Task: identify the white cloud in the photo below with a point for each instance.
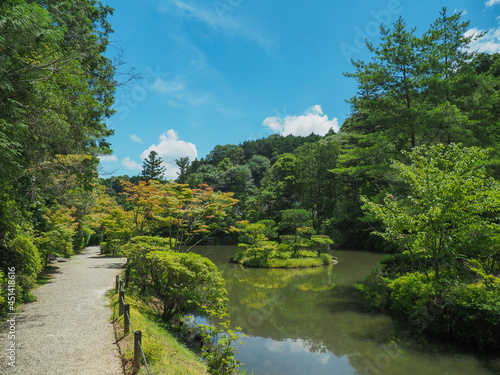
(189, 99)
(130, 164)
(312, 121)
(489, 43)
(199, 12)
(490, 3)
(108, 158)
(135, 138)
(179, 96)
(169, 149)
(217, 15)
(168, 86)
(297, 347)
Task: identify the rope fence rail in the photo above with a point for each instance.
(124, 309)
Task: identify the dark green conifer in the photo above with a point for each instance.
(153, 168)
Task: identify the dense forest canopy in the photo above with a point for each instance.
(56, 90)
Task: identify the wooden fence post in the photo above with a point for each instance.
(127, 275)
(137, 349)
(121, 300)
(126, 320)
(117, 283)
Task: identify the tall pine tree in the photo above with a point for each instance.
(183, 164)
(152, 168)
(411, 92)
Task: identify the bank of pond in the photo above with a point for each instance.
(306, 321)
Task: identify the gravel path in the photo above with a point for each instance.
(67, 330)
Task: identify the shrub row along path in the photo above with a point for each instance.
(67, 330)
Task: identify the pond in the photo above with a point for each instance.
(305, 321)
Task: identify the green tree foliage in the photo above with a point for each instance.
(317, 188)
(218, 350)
(275, 145)
(254, 244)
(293, 219)
(136, 251)
(153, 168)
(410, 93)
(183, 164)
(188, 215)
(186, 283)
(450, 201)
(109, 222)
(60, 229)
(56, 85)
(482, 103)
(3, 286)
(27, 259)
(271, 231)
(256, 250)
(266, 150)
(232, 153)
(278, 190)
(299, 241)
(259, 165)
(144, 200)
(446, 228)
(320, 243)
(56, 91)
(418, 88)
(252, 233)
(201, 173)
(238, 179)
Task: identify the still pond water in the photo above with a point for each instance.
(304, 322)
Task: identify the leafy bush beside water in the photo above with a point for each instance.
(447, 278)
(175, 284)
(467, 312)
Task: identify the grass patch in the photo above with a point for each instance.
(164, 353)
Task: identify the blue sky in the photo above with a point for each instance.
(226, 71)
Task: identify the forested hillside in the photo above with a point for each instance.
(417, 90)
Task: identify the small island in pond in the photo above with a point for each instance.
(296, 247)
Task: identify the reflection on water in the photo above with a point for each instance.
(290, 357)
(305, 322)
